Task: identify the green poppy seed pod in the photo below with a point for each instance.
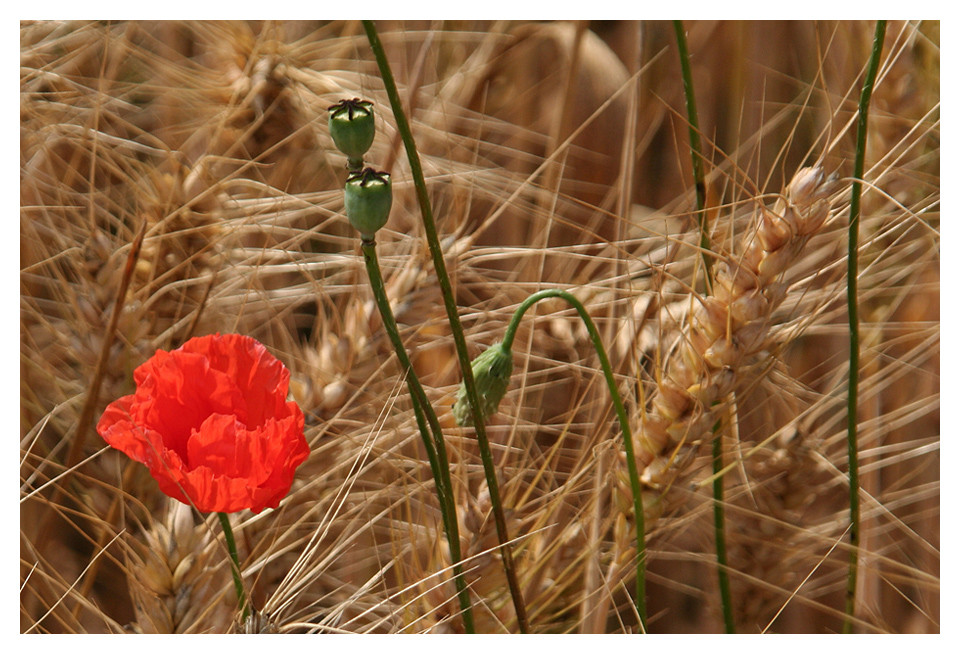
(491, 375)
(352, 128)
(367, 199)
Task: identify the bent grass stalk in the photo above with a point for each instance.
(719, 519)
(453, 317)
(853, 245)
(640, 589)
(436, 450)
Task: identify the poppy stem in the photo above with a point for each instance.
(437, 449)
(719, 517)
(453, 317)
(234, 565)
(641, 558)
(695, 149)
(853, 319)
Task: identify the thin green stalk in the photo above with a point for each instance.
(234, 565)
(853, 381)
(695, 146)
(453, 317)
(436, 450)
(641, 575)
(719, 519)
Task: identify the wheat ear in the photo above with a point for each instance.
(177, 586)
(729, 326)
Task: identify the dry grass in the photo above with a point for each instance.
(556, 156)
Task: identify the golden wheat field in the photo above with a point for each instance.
(178, 179)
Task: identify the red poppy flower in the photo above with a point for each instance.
(211, 422)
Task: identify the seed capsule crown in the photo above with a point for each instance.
(352, 127)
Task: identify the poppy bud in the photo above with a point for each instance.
(352, 129)
(491, 374)
(367, 199)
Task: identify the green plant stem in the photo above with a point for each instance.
(640, 600)
(853, 381)
(234, 565)
(695, 147)
(436, 449)
(453, 317)
(719, 518)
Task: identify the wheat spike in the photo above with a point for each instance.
(177, 580)
(729, 326)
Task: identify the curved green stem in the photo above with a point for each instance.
(234, 565)
(453, 317)
(436, 449)
(640, 600)
(853, 245)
